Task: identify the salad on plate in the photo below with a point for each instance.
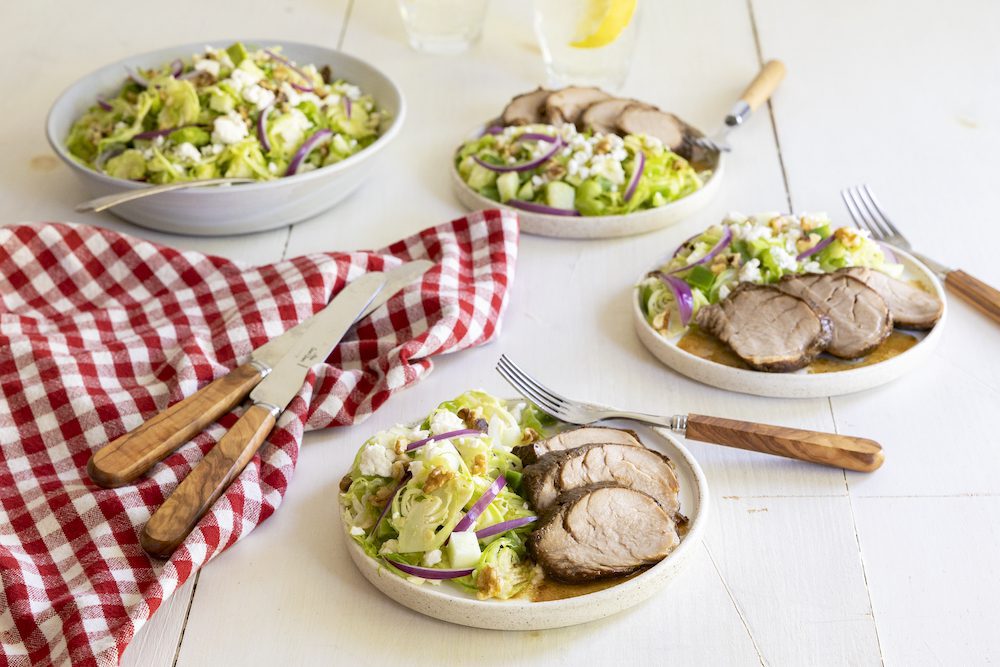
(234, 112)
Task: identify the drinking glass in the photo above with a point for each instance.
(443, 26)
(560, 23)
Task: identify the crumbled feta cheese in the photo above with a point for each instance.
(444, 421)
(783, 259)
(376, 460)
(188, 153)
(724, 292)
(229, 129)
(432, 557)
(609, 169)
(352, 92)
(293, 129)
(272, 167)
(442, 453)
(258, 96)
(517, 410)
(812, 267)
(355, 530)
(158, 141)
(242, 78)
(206, 65)
(750, 272)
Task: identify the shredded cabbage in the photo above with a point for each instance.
(213, 108)
(447, 478)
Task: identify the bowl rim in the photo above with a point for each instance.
(692, 540)
(383, 139)
(928, 340)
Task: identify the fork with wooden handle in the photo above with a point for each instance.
(830, 449)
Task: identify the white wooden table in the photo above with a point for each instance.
(802, 565)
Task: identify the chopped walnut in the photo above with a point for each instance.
(438, 478)
(488, 583)
(530, 435)
(554, 171)
(849, 237)
(398, 469)
(478, 464)
(471, 417)
(804, 244)
(777, 224)
(326, 73)
(603, 146)
(345, 483)
(400, 446)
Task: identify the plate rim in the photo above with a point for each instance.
(602, 600)
(794, 385)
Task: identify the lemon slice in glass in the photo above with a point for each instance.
(603, 22)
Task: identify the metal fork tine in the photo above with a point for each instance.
(869, 220)
(852, 210)
(880, 211)
(530, 381)
(528, 392)
(883, 230)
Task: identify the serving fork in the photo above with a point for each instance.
(831, 449)
(868, 214)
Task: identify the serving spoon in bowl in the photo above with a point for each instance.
(103, 203)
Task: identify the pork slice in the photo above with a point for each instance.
(859, 316)
(602, 531)
(568, 104)
(641, 119)
(576, 437)
(603, 116)
(769, 329)
(526, 109)
(626, 465)
(911, 307)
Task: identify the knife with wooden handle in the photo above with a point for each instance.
(182, 510)
(127, 458)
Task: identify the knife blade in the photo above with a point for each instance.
(181, 511)
(130, 456)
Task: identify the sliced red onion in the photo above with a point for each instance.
(103, 103)
(443, 436)
(682, 295)
(682, 246)
(492, 129)
(176, 68)
(636, 175)
(815, 249)
(887, 252)
(540, 208)
(288, 63)
(107, 155)
(262, 127)
(429, 572)
(388, 504)
(523, 166)
(503, 527)
(152, 134)
(138, 78)
(484, 501)
(537, 136)
(347, 105)
(307, 147)
(727, 237)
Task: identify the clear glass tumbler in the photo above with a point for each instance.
(587, 42)
(443, 26)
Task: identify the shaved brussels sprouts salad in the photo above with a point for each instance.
(758, 249)
(234, 112)
(561, 171)
(440, 501)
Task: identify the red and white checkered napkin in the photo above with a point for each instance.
(99, 331)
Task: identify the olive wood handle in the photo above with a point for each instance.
(124, 460)
(182, 510)
(975, 292)
(764, 84)
(840, 451)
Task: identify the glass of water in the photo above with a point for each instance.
(587, 42)
(443, 26)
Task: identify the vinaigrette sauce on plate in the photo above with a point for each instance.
(711, 348)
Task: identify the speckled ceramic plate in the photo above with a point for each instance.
(598, 226)
(450, 603)
(802, 383)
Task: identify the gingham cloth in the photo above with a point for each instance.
(99, 331)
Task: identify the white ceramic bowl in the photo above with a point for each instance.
(449, 603)
(237, 209)
(598, 226)
(800, 384)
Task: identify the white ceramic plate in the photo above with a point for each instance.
(800, 384)
(449, 603)
(238, 209)
(598, 226)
